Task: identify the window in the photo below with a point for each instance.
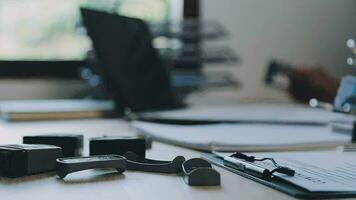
(51, 29)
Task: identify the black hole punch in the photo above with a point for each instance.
(17, 160)
(71, 144)
(117, 145)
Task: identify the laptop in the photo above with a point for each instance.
(131, 68)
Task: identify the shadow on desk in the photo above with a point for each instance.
(26, 179)
(89, 176)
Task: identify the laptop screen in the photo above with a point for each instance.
(129, 65)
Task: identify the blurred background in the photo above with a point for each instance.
(44, 47)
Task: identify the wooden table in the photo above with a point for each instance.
(98, 185)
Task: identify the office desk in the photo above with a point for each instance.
(98, 185)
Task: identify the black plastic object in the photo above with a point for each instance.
(130, 67)
(72, 145)
(66, 166)
(198, 172)
(274, 68)
(21, 160)
(353, 139)
(118, 145)
(148, 141)
(137, 163)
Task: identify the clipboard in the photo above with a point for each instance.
(280, 184)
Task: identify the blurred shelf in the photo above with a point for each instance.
(204, 81)
(186, 57)
(189, 30)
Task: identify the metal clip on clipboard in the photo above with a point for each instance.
(246, 164)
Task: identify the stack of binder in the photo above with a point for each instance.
(183, 45)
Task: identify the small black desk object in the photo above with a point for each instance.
(354, 133)
(280, 184)
(71, 144)
(118, 145)
(198, 172)
(66, 166)
(21, 160)
(275, 68)
(135, 162)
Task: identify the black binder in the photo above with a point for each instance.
(279, 184)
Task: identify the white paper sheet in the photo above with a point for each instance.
(239, 136)
(254, 112)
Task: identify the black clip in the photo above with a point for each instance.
(75, 164)
(135, 162)
(198, 172)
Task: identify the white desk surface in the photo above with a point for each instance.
(98, 185)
